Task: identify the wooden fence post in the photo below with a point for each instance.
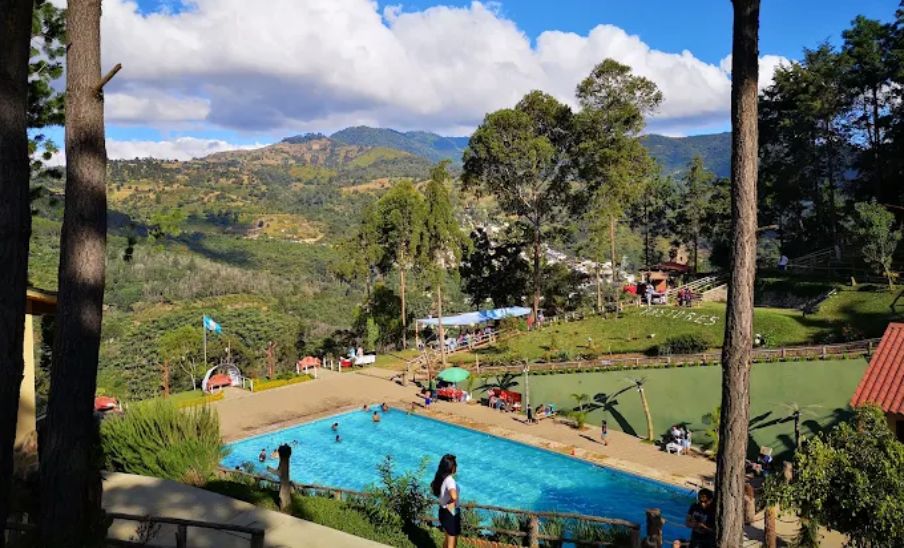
(783, 352)
(635, 537)
(654, 528)
(533, 532)
(181, 536)
(823, 351)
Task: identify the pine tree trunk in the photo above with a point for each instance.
(70, 479)
(404, 313)
(599, 290)
(739, 313)
(696, 250)
(536, 306)
(612, 245)
(439, 316)
(15, 225)
(646, 413)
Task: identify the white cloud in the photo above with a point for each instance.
(286, 65)
(768, 65)
(180, 148)
(155, 106)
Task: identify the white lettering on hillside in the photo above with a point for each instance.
(679, 314)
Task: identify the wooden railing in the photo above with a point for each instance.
(255, 534)
(857, 348)
(532, 532)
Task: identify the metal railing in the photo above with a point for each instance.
(255, 535)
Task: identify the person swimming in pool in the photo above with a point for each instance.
(338, 438)
(263, 455)
(335, 427)
(364, 408)
(384, 407)
(375, 417)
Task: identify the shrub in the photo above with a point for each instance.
(588, 534)
(154, 438)
(553, 527)
(506, 522)
(681, 344)
(399, 500)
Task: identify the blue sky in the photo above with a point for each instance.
(211, 74)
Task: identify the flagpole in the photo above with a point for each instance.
(204, 330)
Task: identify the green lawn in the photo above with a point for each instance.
(686, 394)
(849, 315)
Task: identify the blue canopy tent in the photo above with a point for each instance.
(478, 317)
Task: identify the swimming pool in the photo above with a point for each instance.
(491, 470)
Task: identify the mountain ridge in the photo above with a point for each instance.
(672, 153)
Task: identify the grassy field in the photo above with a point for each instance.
(685, 394)
(849, 315)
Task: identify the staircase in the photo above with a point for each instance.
(818, 258)
(700, 286)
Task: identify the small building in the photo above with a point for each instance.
(883, 382)
(37, 303)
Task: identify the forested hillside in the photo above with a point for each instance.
(674, 153)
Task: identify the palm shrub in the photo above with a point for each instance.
(399, 500)
(155, 438)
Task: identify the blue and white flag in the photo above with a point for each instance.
(211, 325)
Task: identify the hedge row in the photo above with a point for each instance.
(261, 385)
(201, 400)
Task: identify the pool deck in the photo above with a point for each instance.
(333, 393)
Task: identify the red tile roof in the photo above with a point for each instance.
(883, 382)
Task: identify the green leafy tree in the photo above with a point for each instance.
(805, 126)
(441, 245)
(653, 215)
(521, 156)
(494, 270)
(850, 479)
(608, 154)
(399, 227)
(359, 255)
(45, 102)
(693, 205)
(868, 53)
(182, 346)
(876, 229)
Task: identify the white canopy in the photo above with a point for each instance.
(479, 316)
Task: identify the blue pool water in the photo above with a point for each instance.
(491, 470)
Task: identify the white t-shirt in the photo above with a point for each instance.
(448, 485)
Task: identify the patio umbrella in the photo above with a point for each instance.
(454, 374)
